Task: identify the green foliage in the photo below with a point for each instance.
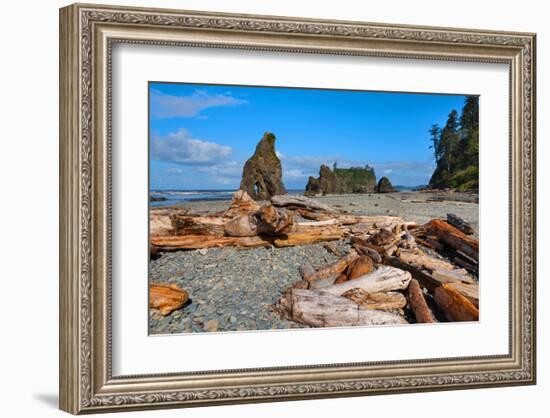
(465, 179)
(456, 148)
(356, 175)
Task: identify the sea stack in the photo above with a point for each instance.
(341, 181)
(262, 173)
(384, 186)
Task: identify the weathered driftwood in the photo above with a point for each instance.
(241, 204)
(266, 220)
(456, 306)
(425, 279)
(383, 238)
(421, 310)
(197, 225)
(382, 301)
(454, 238)
(359, 267)
(316, 224)
(333, 269)
(321, 309)
(193, 242)
(361, 249)
(383, 279)
(166, 297)
(292, 239)
(457, 275)
(379, 222)
(160, 223)
(296, 201)
(469, 291)
(332, 248)
(460, 223)
(421, 259)
(365, 243)
(314, 216)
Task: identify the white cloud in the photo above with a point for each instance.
(181, 148)
(167, 106)
(174, 170)
(388, 171)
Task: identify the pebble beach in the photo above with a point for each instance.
(234, 289)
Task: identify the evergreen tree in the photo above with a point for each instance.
(435, 136)
(456, 148)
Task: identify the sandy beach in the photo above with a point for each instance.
(234, 289)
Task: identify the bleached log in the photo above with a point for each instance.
(456, 306)
(291, 239)
(321, 283)
(241, 204)
(315, 216)
(160, 224)
(166, 297)
(382, 301)
(421, 259)
(383, 279)
(426, 279)
(418, 303)
(266, 220)
(450, 276)
(193, 242)
(315, 224)
(320, 309)
(297, 201)
(333, 269)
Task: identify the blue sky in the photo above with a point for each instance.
(201, 135)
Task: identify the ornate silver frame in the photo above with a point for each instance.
(87, 33)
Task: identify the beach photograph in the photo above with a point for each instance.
(276, 208)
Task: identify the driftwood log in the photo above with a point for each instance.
(194, 242)
(197, 225)
(333, 269)
(418, 303)
(292, 239)
(166, 297)
(460, 223)
(381, 300)
(421, 259)
(266, 220)
(296, 201)
(456, 306)
(320, 309)
(454, 238)
(383, 279)
(241, 204)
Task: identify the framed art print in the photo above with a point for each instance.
(260, 208)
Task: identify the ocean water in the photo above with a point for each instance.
(179, 196)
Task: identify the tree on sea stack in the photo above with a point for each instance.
(262, 173)
(384, 186)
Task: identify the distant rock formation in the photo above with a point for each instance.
(384, 186)
(262, 173)
(342, 180)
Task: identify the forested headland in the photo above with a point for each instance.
(456, 149)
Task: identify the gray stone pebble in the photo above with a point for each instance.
(232, 289)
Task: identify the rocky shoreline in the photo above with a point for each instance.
(235, 289)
